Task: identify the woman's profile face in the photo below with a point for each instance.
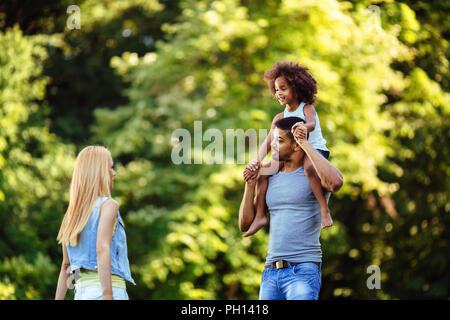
(112, 173)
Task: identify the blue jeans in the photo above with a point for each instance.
(299, 282)
(95, 293)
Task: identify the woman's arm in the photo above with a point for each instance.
(61, 288)
(108, 215)
(310, 114)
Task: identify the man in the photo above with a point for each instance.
(293, 264)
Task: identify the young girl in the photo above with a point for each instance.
(294, 87)
(92, 232)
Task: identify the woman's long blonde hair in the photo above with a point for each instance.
(90, 180)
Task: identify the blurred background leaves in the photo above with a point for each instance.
(138, 70)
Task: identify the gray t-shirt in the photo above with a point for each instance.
(295, 220)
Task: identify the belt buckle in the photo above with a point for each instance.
(279, 264)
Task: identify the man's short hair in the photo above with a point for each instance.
(287, 124)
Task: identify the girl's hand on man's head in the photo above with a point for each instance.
(300, 132)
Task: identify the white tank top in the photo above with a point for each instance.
(315, 136)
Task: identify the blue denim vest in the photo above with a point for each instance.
(84, 255)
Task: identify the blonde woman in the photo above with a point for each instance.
(92, 232)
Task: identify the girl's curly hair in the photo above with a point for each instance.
(298, 77)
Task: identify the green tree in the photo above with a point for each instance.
(148, 68)
(81, 78)
(34, 168)
(410, 225)
(210, 69)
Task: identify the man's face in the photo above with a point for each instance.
(282, 145)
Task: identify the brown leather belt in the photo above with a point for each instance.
(280, 264)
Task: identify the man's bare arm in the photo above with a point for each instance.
(247, 208)
(330, 177)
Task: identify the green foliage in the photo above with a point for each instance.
(79, 63)
(383, 105)
(223, 87)
(34, 168)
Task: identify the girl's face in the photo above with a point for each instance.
(284, 93)
(112, 173)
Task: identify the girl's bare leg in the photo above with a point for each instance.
(319, 193)
(261, 219)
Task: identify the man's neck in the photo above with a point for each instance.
(296, 161)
